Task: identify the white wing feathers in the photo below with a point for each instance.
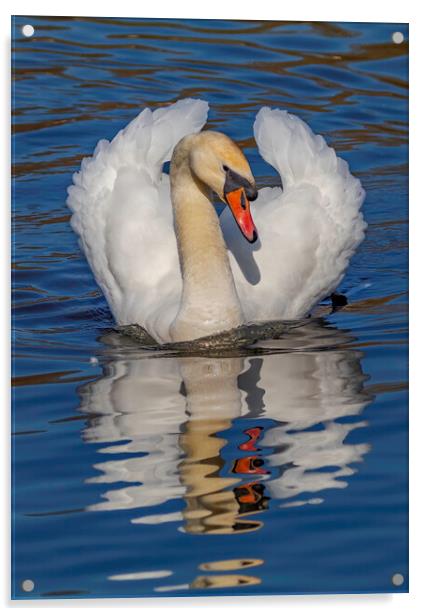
(121, 201)
(303, 158)
(307, 232)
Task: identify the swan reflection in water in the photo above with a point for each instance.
(173, 415)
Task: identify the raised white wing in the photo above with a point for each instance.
(307, 232)
(122, 213)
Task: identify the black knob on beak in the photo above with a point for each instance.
(251, 192)
(235, 180)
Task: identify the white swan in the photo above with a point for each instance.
(161, 256)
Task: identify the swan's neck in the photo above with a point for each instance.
(209, 302)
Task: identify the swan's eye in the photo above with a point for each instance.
(225, 168)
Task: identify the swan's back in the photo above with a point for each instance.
(307, 231)
(122, 213)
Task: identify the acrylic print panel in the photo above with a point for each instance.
(271, 458)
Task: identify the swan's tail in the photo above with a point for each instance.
(303, 158)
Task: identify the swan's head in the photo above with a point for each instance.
(220, 164)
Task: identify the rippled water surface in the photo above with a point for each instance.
(280, 467)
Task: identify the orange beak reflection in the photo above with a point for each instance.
(239, 204)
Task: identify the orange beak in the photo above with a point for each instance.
(239, 204)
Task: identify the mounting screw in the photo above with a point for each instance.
(27, 585)
(27, 30)
(397, 579)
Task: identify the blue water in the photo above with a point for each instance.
(278, 469)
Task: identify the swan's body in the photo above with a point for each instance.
(161, 257)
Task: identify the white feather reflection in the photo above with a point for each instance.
(164, 422)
